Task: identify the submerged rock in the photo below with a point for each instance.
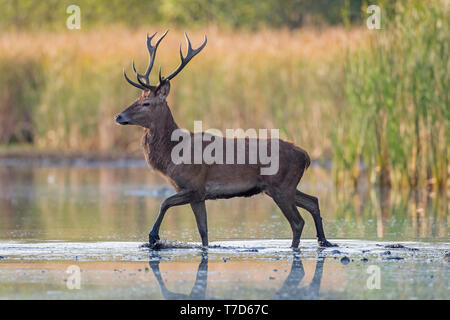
(395, 246)
(394, 258)
(345, 260)
(447, 257)
(399, 246)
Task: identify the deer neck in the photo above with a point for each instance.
(157, 143)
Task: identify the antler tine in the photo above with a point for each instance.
(159, 75)
(138, 75)
(185, 60)
(133, 83)
(144, 79)
(152, 55)
(188, 41)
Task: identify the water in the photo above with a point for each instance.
(96, 218)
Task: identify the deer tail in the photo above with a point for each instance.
(307, 160)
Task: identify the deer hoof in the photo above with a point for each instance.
(152, 239)
(155, 246)
(326, 244)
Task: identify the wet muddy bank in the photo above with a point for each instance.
(347, 251)
(256, 269)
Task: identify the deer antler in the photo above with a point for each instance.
(143, 79)
(184, 60)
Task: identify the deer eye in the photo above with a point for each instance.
(146, 104)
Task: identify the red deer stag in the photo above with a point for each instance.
(195, 183)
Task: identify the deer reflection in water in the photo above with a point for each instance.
(289, 290)
(198, 291)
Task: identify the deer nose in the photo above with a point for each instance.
(122, 119)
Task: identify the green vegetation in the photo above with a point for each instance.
(50, 14)
(366, 99)
(396, 119)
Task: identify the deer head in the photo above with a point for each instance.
(151, 106)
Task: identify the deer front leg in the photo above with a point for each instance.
(182, 197)
(200, 217)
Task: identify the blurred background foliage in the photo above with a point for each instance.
(374, 103)
(252, 14)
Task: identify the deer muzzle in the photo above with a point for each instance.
(122, 119)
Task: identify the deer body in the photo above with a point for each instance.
(220, 181)
(197, 182)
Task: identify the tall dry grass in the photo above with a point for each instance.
(274, 79)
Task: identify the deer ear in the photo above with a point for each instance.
(163, 89)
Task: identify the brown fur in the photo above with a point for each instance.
(196, 183)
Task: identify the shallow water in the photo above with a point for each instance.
(96, 218)
(258, 269)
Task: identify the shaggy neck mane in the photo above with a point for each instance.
(157, 143)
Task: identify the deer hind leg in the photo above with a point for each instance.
(180, 198)
(199, 209)
(311, 204)
(292, 215)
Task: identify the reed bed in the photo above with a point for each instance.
(396, 120)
